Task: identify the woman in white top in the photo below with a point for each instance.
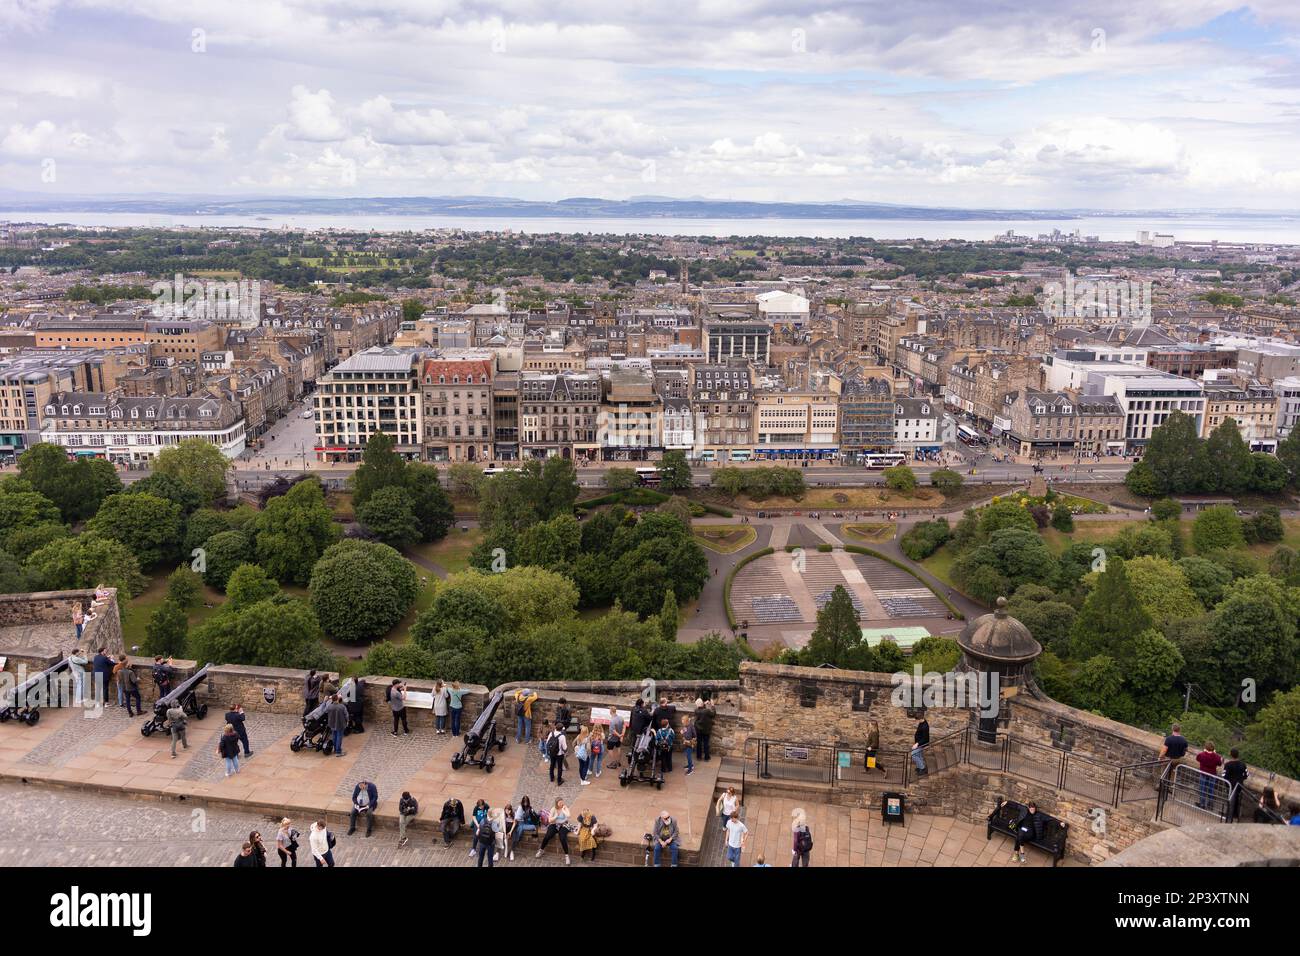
(319, 841)
(440, 698)
(559, 826)
(727, 804)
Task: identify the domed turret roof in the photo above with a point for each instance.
(999, 637)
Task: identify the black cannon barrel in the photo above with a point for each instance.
(26, 686)
(184, 687)
(484, 722)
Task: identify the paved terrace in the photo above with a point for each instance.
(69, 770)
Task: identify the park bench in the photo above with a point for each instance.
(1007, 812)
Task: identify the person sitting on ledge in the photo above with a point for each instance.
(102, 594)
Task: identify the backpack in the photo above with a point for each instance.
(160, 674)
(803, 840)
(553, 745)
(329, 839)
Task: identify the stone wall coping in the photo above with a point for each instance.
(48, 595)
(270, 673)
(1215, 844)
(37, 653)
(419, 684)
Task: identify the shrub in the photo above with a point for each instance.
(925, 538)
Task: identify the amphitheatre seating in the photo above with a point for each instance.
(775, 609)
(824, 598)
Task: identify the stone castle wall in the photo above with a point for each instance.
(41, 621)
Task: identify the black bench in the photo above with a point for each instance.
(1007, 812)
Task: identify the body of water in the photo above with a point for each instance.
(1250, 229)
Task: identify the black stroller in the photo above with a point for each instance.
(315, 732)
(643, 762)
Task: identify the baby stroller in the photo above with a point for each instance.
(315, 732)
(643, 762)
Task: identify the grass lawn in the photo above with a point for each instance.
(725, 538)
(135, 615)
(452, 552)
(940, 564)
(850, 499)
(874, 532)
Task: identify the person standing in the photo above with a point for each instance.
(689, 738)
(163, 675)
(524, 700)
(737, 833)
(665, 738)
(118, 667)
(582, 750)
(728, 803)
(1209, 761)
(1172, 751)
(597, 749)
(235, 718)
(920, 740)
(397, 702)
(616, 727)
(128, 687)
(563, 715)
(704, 715)
(228, 749)
(365, 797)
(1235, 772)
(259, 848)
(407, 808)
(102, 666)
(336, 718)
(286, 844)
(801, 842)
(245, 858)
(76, 665)
(311, 692)
(558, 826)
(321, 843)
(665, 836)
(456, 704)
(490, 835)
(557, 745)
(440, 696)
(177, 722)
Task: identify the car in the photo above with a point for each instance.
(307, 413)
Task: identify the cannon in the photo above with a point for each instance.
(185, 694)
(643, 762)
(315, 732)
(482, 737)
(30, 710)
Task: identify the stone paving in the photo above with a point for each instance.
(387, 761)
(264, 730)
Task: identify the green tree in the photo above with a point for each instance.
(1062, 518)
(30, 538)
(280, 632)
(1166, 509)
(151, 527)
(187, 497)
(388, 515)
(77, 488)
(1217, 528)
(668, 616)
(1098, 683)
(429, 503)
(1161, 589)
(1207, 579)
(947, 481)
(1141, 480)
(456, 607)
(837, 631)
(1288, 453)
(1176, 456)
(1231, 468)
(23, 509)
(729, 481)
(1268, 474)
(197, 463)
(184, 587)
(465, 478)
(293, 531)
(14, 579)
(1156, 664)
(221, 554)
(166, 631)
(1264, 527)
(360, 590)
(86, 561)
(621, 479)
(202, 525)
(1109, 617)
(247, 585)
(901, 479)
(675, 472)
(1279, 731)
(380, 467)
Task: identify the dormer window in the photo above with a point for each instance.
(135, 413)
(117, 413)
(65, 409)
(76, 409)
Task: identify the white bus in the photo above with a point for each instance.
(969, 435)
(886, 460)
(648, 476)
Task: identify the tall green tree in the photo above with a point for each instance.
(432, 507)
(77, 488)
(151, 527)
(1230, 469)
(674, 472)
(1109, 618)
(837, 632)
(1288, 453)
(166, 631)
(388, 515)
(1176, 457)
(380, 467)
(293, 531)
(668, 616)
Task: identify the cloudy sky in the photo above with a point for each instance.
(1104, 103)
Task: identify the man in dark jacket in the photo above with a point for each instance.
(1028, 828)
(704, 715)
(365, 796)
(235, 718)
(336, 715)
(452, 819)
(664, 711)
(1234, 771)
(311, 692)
(639, 719)
(102, 667)
(920, 740)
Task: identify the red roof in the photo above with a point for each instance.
(468, 370)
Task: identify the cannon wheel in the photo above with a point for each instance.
(31, 717)
(501, 744)
(147, 729)
(622, 780)
(4, 715)
(456, 761)
(296, 744)
(203, 711)
(328, 748)
(488, 763)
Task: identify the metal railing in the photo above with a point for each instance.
(1190, 795)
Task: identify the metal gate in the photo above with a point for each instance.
(1192, 796)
